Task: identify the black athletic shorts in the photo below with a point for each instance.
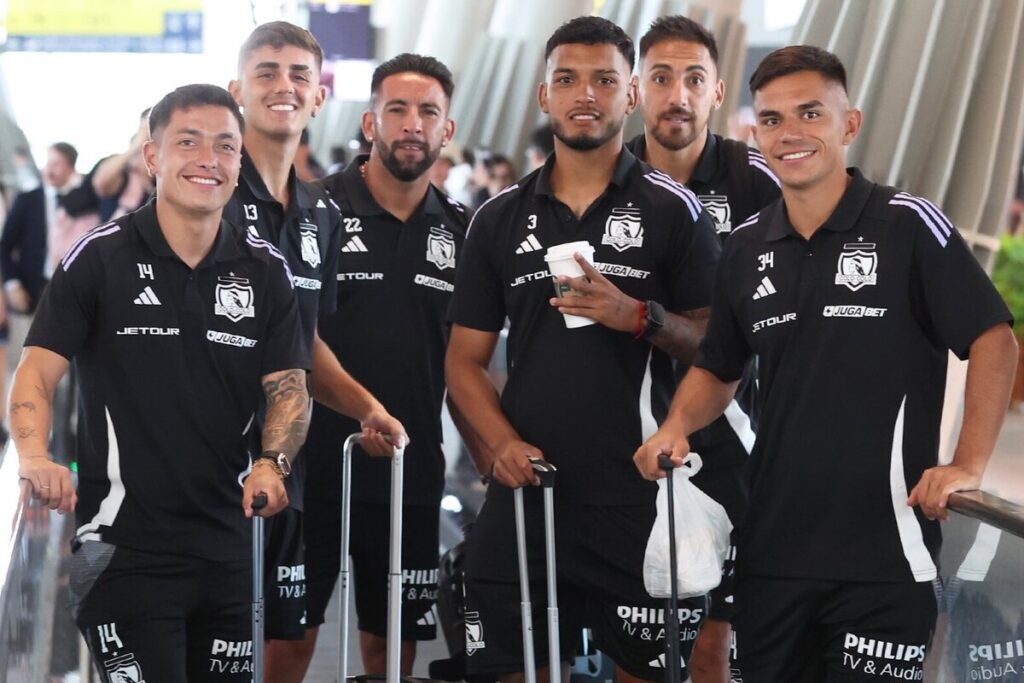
(163, 618)
(369, 552)
(811, 631)
(729, 488)
(284, 577)
(599, 564)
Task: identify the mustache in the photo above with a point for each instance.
(677, 111)
(417, 143)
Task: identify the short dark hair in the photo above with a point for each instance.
(678, 27)
(277, 34)
(590, 30)
(66, 150)
(188, 96)
(408, 62)
(794, 58)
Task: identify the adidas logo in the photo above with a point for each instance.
(764, 289)
(659, 662)
(531, 243)
(147, 298)
(320, 204)
(427, 619)
(355, 245)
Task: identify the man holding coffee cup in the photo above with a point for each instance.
(632, 251)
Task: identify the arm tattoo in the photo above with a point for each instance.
(682, 333)
(27, 405)
(26, 432)
(287, 412)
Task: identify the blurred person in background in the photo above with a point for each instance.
(440, 170)
(542, 144)
(41, 224)
(307, 168)
(121, 181)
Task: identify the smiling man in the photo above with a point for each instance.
(582, 398)
(278, 88)
(175, 319)
(851, 294)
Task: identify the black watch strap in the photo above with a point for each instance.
(655, 319)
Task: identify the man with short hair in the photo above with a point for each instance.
(278, 88)
(679, 90)
(175, 320)
(396, 268)
(852, 295)
(581, 398)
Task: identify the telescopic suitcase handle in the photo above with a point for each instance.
(259, 501)
(672, 657)
(546, 473)
(394, 636)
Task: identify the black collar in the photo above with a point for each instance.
(225, 248)
(296, 191)
(623, 166)
(362, 201)
(843, 218)
(707, 165)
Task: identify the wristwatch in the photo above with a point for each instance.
(655, 319)
(279, 460)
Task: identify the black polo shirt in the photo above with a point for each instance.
(852, 329)
(733, 182)
(587, 397)
(307, 232)
(395, 281)
(170, 360)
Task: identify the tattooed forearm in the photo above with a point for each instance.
(682, 333)
(26, 432)
(287, 417)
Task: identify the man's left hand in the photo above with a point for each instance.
(595, 297)
(932, 492)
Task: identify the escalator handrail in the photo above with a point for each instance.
(15, 496)
(990, 509)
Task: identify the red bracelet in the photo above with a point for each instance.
(641, 321)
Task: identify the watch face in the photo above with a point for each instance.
(282, 462)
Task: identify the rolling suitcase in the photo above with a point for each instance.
(546, 473)
(259, 502)
(394, 637)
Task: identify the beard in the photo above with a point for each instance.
(406, 171)
(584, 142)
(680, 139)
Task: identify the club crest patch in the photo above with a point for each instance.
(441, 248)
(234, 298)
(623, 229)
(310, 247)
(124, 670)
(857, 266)
(474, 633)
(718, 207)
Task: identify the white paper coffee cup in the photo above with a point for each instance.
(561, 262)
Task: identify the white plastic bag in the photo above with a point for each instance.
(702, 537)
